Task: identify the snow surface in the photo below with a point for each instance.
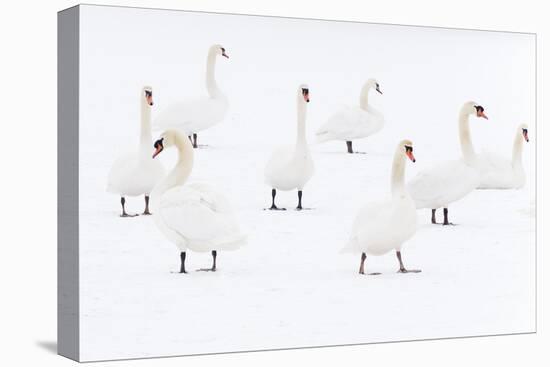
(291, 286)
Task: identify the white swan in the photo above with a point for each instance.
(136, 173)
(500, 173)
(194, 217)
(355, 122)
(197, 114)
(450, 181)
(291, 167)
(385, 225)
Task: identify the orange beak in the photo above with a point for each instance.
(526, 136)
(482, 114)
(306, 97)
(150, 100)
(411, 156)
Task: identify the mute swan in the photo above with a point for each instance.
(194, 217)
(136, 173)
(452, 180)
(197, 114)
(291, 167)
(351, 123)
(385, 225)
(500, 173)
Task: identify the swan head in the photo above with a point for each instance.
(373, 83)
(523, 129)
(471, 108)
(218, 50)
(147, 95)
(166, 139)
(303, 92)
(406, 146)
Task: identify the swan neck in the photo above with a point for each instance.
(211, 85)
(301, 125)
(517, 149)
(398, 174)
(465, 137)
(364, 97)
(146, 136)
(181, 171)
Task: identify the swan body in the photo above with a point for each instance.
(353, 122)
(197, 114)
(384, 225)
(449, 181)
(498, 172)
(291, 167)
(136, 173)
(196, 216)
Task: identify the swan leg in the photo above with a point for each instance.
(124, 214)
(273, 206)
(433, 216)
(146, 211)
(214, 255)
(299, 207)
(362, 266)
(182, 268)
(350, 148)
(446, 217)
(195, 140)
(402, 267)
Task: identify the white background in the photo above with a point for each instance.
(28, 261)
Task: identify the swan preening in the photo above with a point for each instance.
(385, 225)
(353, 122)
(196, 114)
(194, 217)
(450, 181)
(136, 173)
(501, 173)
(291, 167)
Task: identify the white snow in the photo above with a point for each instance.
(291, 286)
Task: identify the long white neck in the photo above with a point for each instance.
(211, 85)
(517, 149)
(364, 97)
(398, 173)
(301, 118)
(181, 171)
(146, 139)
(464, 135)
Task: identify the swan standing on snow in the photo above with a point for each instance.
(500, 173)
(291, 167)
(385, 225)
(351, 123)
(194, 217)
(194, 115)
(136, 173)
(450, 181)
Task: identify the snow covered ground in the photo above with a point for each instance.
(290, 287)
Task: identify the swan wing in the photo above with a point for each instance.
(202, 216)
(443, 184)
(350, 123)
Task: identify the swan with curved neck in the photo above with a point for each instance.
(356, 122)
(501, 173)
(450, 181)
(385, 225)
(291, 167)
(136, 173)
(192, 216)
(197, 114)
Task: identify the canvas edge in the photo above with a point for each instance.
(68, 326)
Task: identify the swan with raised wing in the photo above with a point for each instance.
(197, 114)
(383, 226)
(353, 122)
(193, 216)
(500, 173)
(450, 181)
(135, 174)
(291, 167)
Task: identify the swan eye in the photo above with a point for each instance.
(305, 90)
(479, 108)
(408, 148)
(148, 93)
(524, 131)
(223, 49)
(158, 143)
